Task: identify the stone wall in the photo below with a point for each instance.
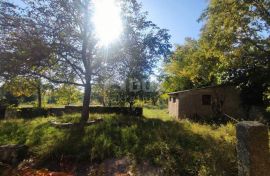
(29, 113)
(252, 149)
(39, 112)
(100, 109)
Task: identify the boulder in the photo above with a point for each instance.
(13, 154)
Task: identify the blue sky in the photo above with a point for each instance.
(179, 16)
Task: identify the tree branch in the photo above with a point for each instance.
(55, 80)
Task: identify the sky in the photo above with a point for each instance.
(178, 16)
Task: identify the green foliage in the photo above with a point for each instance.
(31, 35)
(267, 95)
(233, 49)
(183, 148)
(108, 94)
(37, 134)
(139, 103)
(67, 94)
(237, 32)
(13, 132)
(190, 67)
(21, 86)
(26, 90)
(8, 100)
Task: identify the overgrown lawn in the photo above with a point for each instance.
(178, 148)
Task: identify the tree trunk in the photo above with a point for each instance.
(131, 102)
(103, 102)
(86, 103)
(87, 66)
(103, 99)
(39, 95)
(69, 96)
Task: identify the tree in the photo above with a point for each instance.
(233, 49)
(67, 94)
(142, 45)
(21, 86)
(153, 94)
(239, 32)
(190, 67)
(7, 99)
(68, 51)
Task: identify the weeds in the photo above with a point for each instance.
(178, 148)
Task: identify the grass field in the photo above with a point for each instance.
(157, 114)
(177, 148)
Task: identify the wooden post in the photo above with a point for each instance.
(252, 149)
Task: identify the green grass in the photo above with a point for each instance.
(178, 148)
(162, 114)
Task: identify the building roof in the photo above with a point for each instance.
(189, 90)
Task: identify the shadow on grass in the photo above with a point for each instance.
(169, 145)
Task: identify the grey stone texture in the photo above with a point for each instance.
(252, 149)
(13, 154)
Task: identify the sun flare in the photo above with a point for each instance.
(107, 20)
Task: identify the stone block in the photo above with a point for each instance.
(13, 154)
(252, 149)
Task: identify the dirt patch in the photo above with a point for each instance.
(125, 167)
(67, 167)
(113, 167)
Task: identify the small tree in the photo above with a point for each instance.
(67, 94)
(20, 86)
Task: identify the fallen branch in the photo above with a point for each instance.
(69, 124)
(233, 119)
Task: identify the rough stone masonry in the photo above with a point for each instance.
(252, 149)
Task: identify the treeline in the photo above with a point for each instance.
(233, 48)
(37, 93)
(16, 92)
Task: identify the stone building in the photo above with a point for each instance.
(206, 102)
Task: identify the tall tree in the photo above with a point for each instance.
(190, 67)
(56, 40)
(233, 48)
(144, 45)
(239, 32)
